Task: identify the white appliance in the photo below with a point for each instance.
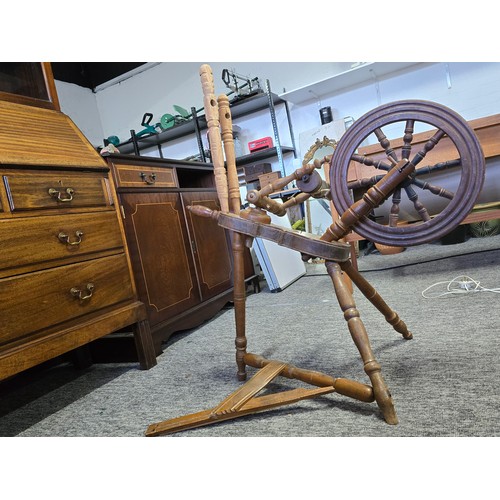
(280, 265)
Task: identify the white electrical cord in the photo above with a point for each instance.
(458, 285)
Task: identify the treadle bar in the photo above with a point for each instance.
(237, 399)
(254, 405)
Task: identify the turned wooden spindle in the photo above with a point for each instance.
(346, 387)
(226, 123)
(260, 198)
(374, 297)
(265, 203)
(407, 139)
(214, 137)
(281, 183)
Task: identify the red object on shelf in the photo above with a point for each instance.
(259, 144)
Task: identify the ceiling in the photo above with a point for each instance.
(91, 74)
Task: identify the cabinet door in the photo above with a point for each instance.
(210, 245)
(161, 255)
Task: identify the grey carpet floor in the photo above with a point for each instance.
(444, 382)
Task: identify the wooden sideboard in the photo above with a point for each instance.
(65, 275)
(182, 263)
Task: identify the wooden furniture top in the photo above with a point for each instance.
(43, 137)
(487, 130)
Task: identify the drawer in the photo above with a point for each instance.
(137, 176)
(26, 241)
(43, 190)
(31, 302)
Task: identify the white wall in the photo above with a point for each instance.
(156, 90)
(80, 105)
(471, 89)
(474, 92)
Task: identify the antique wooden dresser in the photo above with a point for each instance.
(65, 275)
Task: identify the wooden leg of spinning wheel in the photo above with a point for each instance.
(239, 302)
(373, 296)
(360, 337)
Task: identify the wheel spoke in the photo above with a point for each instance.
(407, 138)
(427, 147)
(386, 144)
(394, 215)
(413, 197)
(364, 182)
(439, 191)
(429, 169)
(365, 160)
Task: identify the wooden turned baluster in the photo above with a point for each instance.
(212, 116)
(360, 338)
(226, 123)
(238, 239)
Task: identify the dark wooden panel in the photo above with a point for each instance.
(210, 248)
(160, 253)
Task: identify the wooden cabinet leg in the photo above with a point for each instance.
(360, 338)
(144, 345)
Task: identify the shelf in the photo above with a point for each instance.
(364, 73)
(253, 104)
(238, 109)
(261, 155)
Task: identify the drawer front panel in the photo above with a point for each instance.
(23, 242)
(137, 176)
(35, 191)
(29, 303)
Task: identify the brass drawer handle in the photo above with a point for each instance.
(83, 295)
(57, 194)
(148, 178)
(64, 238)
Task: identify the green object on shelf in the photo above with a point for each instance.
(167, 121)
(181, 111)
(113, 139)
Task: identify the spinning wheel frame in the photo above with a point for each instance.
(447, 122)
(254, 222)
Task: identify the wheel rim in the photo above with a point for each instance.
(410, 113)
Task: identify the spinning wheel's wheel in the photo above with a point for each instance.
(401, 119)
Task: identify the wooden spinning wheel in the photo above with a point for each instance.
(398, 173)
(406, 116)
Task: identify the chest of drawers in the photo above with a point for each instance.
(65, 274)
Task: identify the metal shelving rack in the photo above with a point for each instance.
(197, 124)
